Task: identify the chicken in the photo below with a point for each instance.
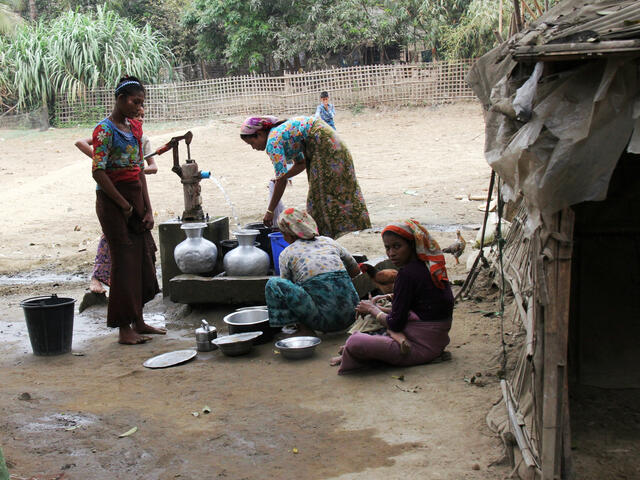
(383, 279)
(456, 248)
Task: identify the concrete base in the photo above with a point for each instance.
(192, 289)
(171, 235)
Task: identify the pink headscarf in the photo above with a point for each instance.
(254, 124)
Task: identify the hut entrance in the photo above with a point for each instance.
(604, 328)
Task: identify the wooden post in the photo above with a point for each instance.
(556, 333)
(518, 15)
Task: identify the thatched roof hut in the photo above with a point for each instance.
(562, 101)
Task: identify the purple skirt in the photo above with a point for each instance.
(427, 339)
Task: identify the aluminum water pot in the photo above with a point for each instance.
(246, 259)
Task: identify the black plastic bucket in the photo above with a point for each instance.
(50, 324)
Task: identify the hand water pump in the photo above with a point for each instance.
(189, 175)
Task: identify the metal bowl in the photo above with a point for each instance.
(255, 307)
(237, 344)
(297, 347)
(250, 321)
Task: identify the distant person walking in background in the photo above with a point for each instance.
(326, 110)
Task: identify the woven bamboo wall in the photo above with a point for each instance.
(368, 85)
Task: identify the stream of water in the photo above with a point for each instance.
(226, 197)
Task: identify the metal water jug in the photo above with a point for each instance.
(204, 335)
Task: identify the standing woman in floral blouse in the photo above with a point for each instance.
(334, 199)
(125, 214)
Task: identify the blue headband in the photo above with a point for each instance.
(128, 82)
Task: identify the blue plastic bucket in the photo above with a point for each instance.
(278, 244)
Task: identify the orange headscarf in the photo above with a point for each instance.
(427, 248)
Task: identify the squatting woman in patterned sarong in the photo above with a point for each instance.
(334, 199)
(125, 214)
(314, 289)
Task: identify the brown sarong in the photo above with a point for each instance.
(133, 272)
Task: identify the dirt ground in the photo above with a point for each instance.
(270, 418)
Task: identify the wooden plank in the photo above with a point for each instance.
(569, 51)
(556, 329)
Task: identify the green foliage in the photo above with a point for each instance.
(77, 51)
(242, 33)
(473, 35)
(9, 17)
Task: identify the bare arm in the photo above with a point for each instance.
(85, 147)
(278, 190)
(152, 168)
(354, 271)
(147, 216)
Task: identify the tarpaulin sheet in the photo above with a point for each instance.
(581, 122)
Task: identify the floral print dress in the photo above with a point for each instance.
(334, 199)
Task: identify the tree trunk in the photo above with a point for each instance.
(33, 13)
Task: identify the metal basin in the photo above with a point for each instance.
(250, 320)
(237, 344)
(255, 307)
(297, 347)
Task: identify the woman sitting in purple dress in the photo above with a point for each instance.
(419, 319)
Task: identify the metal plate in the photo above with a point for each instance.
(170, 359)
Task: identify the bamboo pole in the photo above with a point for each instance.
(524, 443)
(528, 9)
(468, 282)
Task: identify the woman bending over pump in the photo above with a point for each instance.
(334, 199)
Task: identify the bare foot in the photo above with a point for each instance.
(128, 336)
(405, 346)
(335, 361)
(340, 350)
(144, 328)
(96, 286)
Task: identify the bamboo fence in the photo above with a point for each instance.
(294, 93)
